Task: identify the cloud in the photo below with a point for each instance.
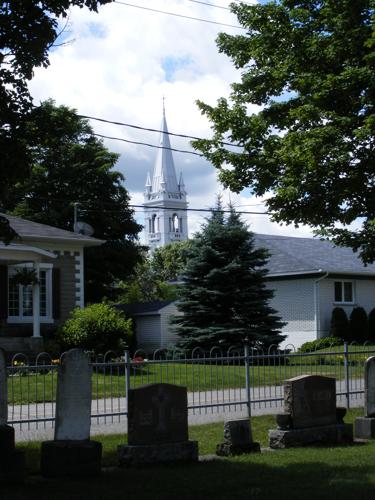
(120, 64)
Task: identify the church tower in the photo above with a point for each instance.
(164, 198)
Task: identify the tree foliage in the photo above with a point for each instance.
(70, 165)
(170, 260)
(303, 115)
(145, 285)
(223, 296)
(28, 29)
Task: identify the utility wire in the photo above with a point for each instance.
(138, 127)
(131, 205)
(179, 15)
(210, 4)
(149, 145)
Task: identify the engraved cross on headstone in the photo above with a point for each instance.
(161, 402)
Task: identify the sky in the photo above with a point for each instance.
(118, 65)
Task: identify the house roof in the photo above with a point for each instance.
(144, 307)
(290, 255)
(34, 231)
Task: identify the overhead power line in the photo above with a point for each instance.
(82, 203)
(138, 127)
(179, 15)
(210, 4)
(200, 210)
(148, 145)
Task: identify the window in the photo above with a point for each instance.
(20, 297)
(153, 224)
(344, 292)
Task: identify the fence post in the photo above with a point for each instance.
(347, 380)
(247, 378)
(127, 377)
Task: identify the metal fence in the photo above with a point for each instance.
(242, 381)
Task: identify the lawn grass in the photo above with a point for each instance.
(309, 473)
(35, 387)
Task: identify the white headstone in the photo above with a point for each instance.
(3, 389)
(73, 398)
(370, 387)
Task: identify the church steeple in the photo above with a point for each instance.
(165, 200)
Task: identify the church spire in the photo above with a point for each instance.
(164, 198)
(164, 166)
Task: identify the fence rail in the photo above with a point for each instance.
(240, 380)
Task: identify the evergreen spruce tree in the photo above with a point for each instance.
(223, 298)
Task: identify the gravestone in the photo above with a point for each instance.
(237, 439)
(12, 461)
(157, 427)
(310, 415)
(364, 427)
(72, 453)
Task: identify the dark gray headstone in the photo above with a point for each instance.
(310, 400)
(73, 398)
(157, 414)
(370, 387)
(237, 432)
(3, 389)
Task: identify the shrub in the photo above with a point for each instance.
(98, 327)
(358, 325)
(314, 345)
(339, 324)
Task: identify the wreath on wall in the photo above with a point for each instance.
(25, 276)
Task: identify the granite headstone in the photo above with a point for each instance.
(72, 453)
(3, 390)
(237, 439)
(370, 387)
(12, 461)
(73, 397)
(310, 400)
(157, 413)
(310, 415)
(365, 426)
(157, 427)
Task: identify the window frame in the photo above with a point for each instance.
(20, 318)
(342, 283)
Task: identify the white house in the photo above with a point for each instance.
(309, 277)
(54, 258)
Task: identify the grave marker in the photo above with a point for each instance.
(365, 426)
(72, 453)
(12, 461)
(311, 416)
(157, 426)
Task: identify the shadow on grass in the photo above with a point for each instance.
(266, 476)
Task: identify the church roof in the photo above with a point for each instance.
(164, 176)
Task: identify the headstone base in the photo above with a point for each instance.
(364, 427)
(12, 467)
(184, 451)
(7, 440)
(230, 450)
(322, 435)
(70, 458)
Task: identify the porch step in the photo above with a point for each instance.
(29, 346)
